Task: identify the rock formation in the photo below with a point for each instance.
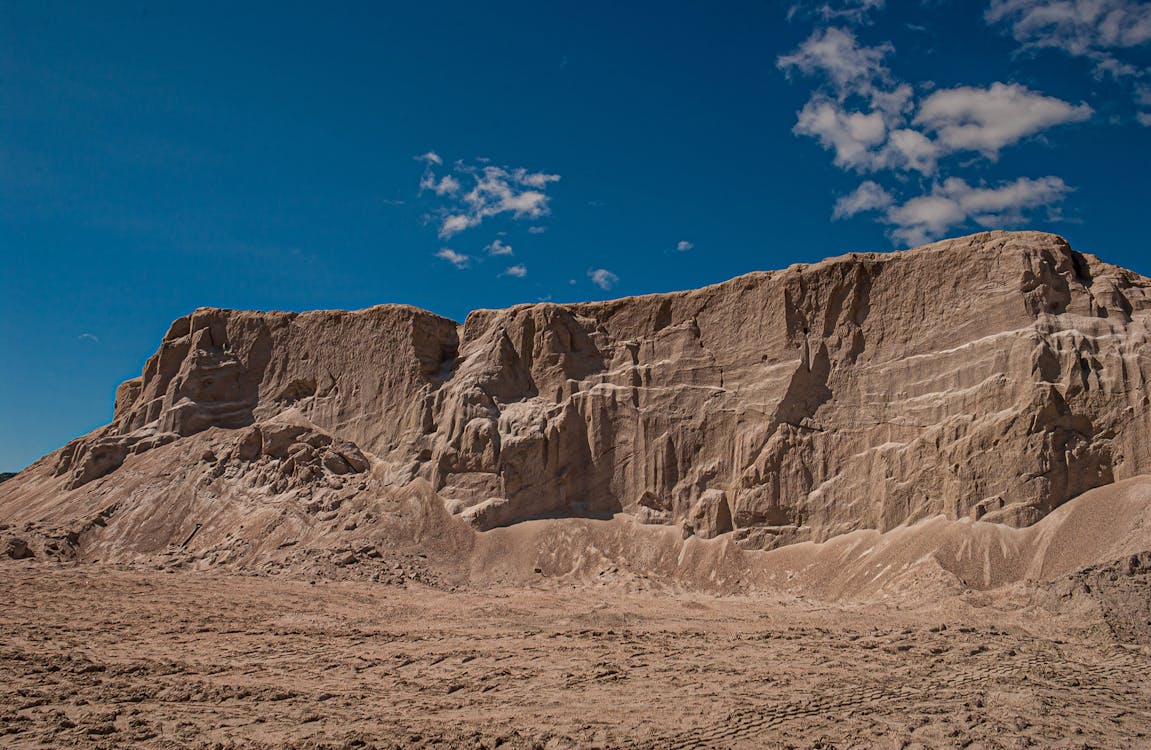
(991, 377)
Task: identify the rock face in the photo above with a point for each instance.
(993, 377)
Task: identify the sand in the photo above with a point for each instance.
(102, 656)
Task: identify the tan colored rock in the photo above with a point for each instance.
(994, 376)
(710, 516)
(17, 549)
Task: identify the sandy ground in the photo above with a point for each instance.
(96, 656)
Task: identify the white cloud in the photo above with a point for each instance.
(967, 118)
(1108, 65)
(1083, 28)
(1101, 31)
(1097, 30)
(837, 54)
(954, 202)
(862, 113)
(603, 278)
(498, 248)
(537, 230)
(447, 184)
(925, 218)
(683, 246)
(869, 196)
(518, 271)
(893, 102)
(530, 203)
(89, 338)
(534, 179)
(862, 141)
(459, 260)
(454, 223)
(498, 190)
(909, 149)
(850, 70)
(871, 122)
(849, 11)
(1143, 99)
(493, 191)
(853, 136)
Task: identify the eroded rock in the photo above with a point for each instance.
(990, 377)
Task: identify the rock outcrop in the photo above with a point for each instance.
(992, 377)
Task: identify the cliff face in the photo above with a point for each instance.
(994, 377)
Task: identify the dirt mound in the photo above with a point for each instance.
(882, 403)
(1120, 590)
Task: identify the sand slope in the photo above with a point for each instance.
(1100, 526)
(409, 530)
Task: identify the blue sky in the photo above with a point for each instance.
(453, 155)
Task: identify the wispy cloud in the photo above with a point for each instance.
(475, 192)
(1103, 32)
(954, 203)
(683, 246)
(1094, 29)
(850, 70)
(446, 185)
(518, 271)
(603, 278)
(88, 338)
(869, 196)
(459, 260)
(498, 248)
(848, 11)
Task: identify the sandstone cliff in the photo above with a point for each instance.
(990, 377)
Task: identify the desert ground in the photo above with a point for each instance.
(114, 656)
